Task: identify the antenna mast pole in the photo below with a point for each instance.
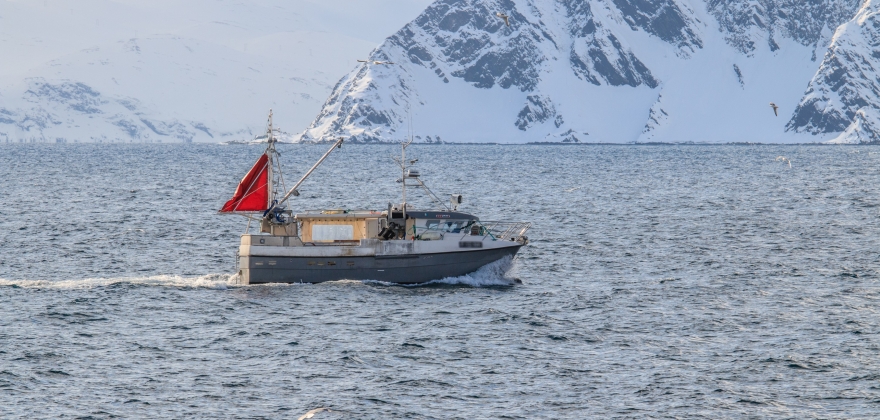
(403, 177)
(403, 164)
(270, 149)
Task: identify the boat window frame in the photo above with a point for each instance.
(461, 224)
(331, 227)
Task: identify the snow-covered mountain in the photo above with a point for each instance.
(843, 96)
(174, 70)
(618, 71)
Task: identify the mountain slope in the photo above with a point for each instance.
(844, 94)
(171, 70)
(590, 71)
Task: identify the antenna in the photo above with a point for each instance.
(270, 150)
(402, 162)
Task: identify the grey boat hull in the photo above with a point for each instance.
(403, 269)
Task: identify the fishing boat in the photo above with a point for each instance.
(398, 244)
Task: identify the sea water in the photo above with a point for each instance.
(660, 281)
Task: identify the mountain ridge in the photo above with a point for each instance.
(177, 71)
(602, 71)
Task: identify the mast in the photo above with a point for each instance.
(403, 178)
(270, 150)
(403, 166)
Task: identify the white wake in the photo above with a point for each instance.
(211, 281)
(498, 273)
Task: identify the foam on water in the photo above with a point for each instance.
(498, 273)
(210, 281)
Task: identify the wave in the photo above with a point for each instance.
(210, 281)
(498, 273)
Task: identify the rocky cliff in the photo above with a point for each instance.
(617, 71)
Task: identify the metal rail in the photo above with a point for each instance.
(496, 229)
(504, 230)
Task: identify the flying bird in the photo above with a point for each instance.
(784, 159)
(772, 105)
(505, 17)
(312, 413)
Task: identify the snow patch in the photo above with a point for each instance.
(865, 128)
(848, 81)
(568, 67)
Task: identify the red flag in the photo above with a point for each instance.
(252, 194)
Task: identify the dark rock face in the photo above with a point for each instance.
(739, 75)
(482, 50)
(131, 129)
(570, 137)
(596, 55)
(847, 80)
(865, 128)
(464, 41)
(462, 32)
(621, 69)
(76, 96)
(6, 116)
(54, 102)
(661, 18)
(801, 20)
(537, 110)
(812, 116)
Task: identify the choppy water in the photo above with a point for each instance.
(661, 281)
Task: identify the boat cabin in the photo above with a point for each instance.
(347, 227)
(339, 226)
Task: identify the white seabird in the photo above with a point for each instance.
(312, 413)
(772, 105)
(503, 16)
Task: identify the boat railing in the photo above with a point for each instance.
(497, 230)
(502, 230)
(322, 211)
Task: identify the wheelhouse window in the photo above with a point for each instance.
(329, 233)
(453, 226)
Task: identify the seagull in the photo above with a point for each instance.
(784, 159)
(312, 413)
(772, 105)
(376, 62)
(503, 16)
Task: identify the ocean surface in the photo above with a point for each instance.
(660, 281)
